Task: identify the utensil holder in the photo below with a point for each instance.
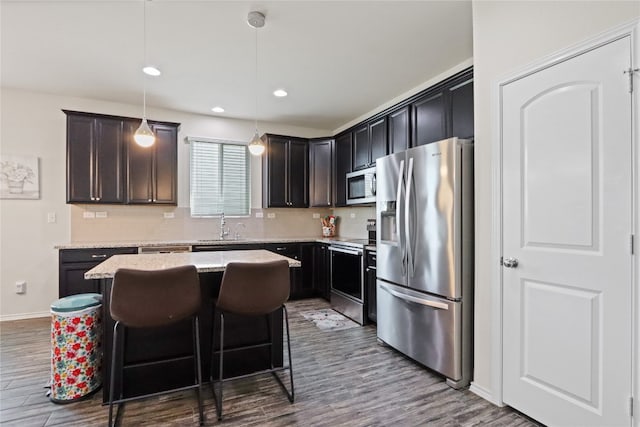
(329, 231)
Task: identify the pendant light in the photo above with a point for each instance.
(256, 146)
(144, 136)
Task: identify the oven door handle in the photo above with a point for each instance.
(345, 251)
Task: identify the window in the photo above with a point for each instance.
(219, 178)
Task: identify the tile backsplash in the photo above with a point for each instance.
(105, 223)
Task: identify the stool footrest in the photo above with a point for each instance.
(253, 374)
(158, 393)
(157, 362)
(245, 347)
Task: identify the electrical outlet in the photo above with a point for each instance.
(88, 215)
(169, 215)
(259, 215)
(101, 214)
(21, 287)
(51, 217)
(316, 216)
(271, 215)
(352, 215)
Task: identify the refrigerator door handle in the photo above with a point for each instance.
(407, 225)
(399, 216)
(410, 298)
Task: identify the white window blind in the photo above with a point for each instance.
(219, 178)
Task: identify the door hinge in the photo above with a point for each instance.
(632, 244)
(631, 72)
(501, 260)
(631, 406)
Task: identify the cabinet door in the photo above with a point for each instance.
(290, 250)
(298, 176)
(361, 147)
(378, 139)
(370, 283)
(343, 167)
(165, 162)
(71, 279)
(320, 161)
(109, 154)
(139, 167)
(274, 186)
(399, 130)
(461, 110)
(80, 158)
(305, 287)
(321, 271)
(429, 119)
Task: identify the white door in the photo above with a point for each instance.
(567, 220)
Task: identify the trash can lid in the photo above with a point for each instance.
(76, 302)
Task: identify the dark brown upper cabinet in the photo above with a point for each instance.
(343, 153)
(399, 130)
(320, 172)
(105, 165)
(369, 143)
(429, 123)
(285, 182)
(460, 95)
(94, 159)
(151, 171)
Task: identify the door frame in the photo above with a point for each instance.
(631, 29)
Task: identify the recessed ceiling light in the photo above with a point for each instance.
(152, 71)
(280, 93)
(217, 110)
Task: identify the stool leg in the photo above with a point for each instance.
(286, 316)
(219, 403)
(113, 372)
(270, 338)
(197, 365)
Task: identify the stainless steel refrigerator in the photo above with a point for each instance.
(424, 210)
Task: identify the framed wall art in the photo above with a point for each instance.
(19, 177)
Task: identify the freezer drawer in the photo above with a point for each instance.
(425, 328)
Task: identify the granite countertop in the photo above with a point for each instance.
(157, 243)
(205, 262)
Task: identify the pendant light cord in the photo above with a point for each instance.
(144, 59)
(256, 85)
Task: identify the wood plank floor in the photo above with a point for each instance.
(342, 378)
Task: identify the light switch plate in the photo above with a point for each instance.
(169, 215)
(101, 214)
(88, 215)
(316, 216)
(352, 215)
(259, 215)
(271, 215)
(51, 217)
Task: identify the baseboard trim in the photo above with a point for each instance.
(484, 393)
(24, 316)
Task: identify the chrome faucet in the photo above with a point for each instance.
(223, 231)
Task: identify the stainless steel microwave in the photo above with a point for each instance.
(361, 186)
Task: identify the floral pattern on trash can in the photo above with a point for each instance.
(76, 353)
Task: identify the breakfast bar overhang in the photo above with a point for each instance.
(154, 365)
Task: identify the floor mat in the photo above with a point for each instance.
(329, 320)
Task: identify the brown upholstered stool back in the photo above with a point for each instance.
(143, 299)
(254, 288)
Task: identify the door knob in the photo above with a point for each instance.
(510, 262)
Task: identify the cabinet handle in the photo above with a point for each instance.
(98, 256)
(98, 198)
(149, 200)
(281, 249)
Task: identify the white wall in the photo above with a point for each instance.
(33, 123)
(508, 36)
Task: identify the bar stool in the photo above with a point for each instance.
(149, 299)
(252, 289)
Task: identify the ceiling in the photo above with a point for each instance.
(338, 60)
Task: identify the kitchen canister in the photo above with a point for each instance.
(76, 351)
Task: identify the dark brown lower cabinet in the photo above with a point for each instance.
(73, 263)
(370, 285)
(321, 261)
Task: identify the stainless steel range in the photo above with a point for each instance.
(347, 278)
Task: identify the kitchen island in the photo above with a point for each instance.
(145, 347)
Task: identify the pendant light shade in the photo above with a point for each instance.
(256, 145)
(144, 136)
